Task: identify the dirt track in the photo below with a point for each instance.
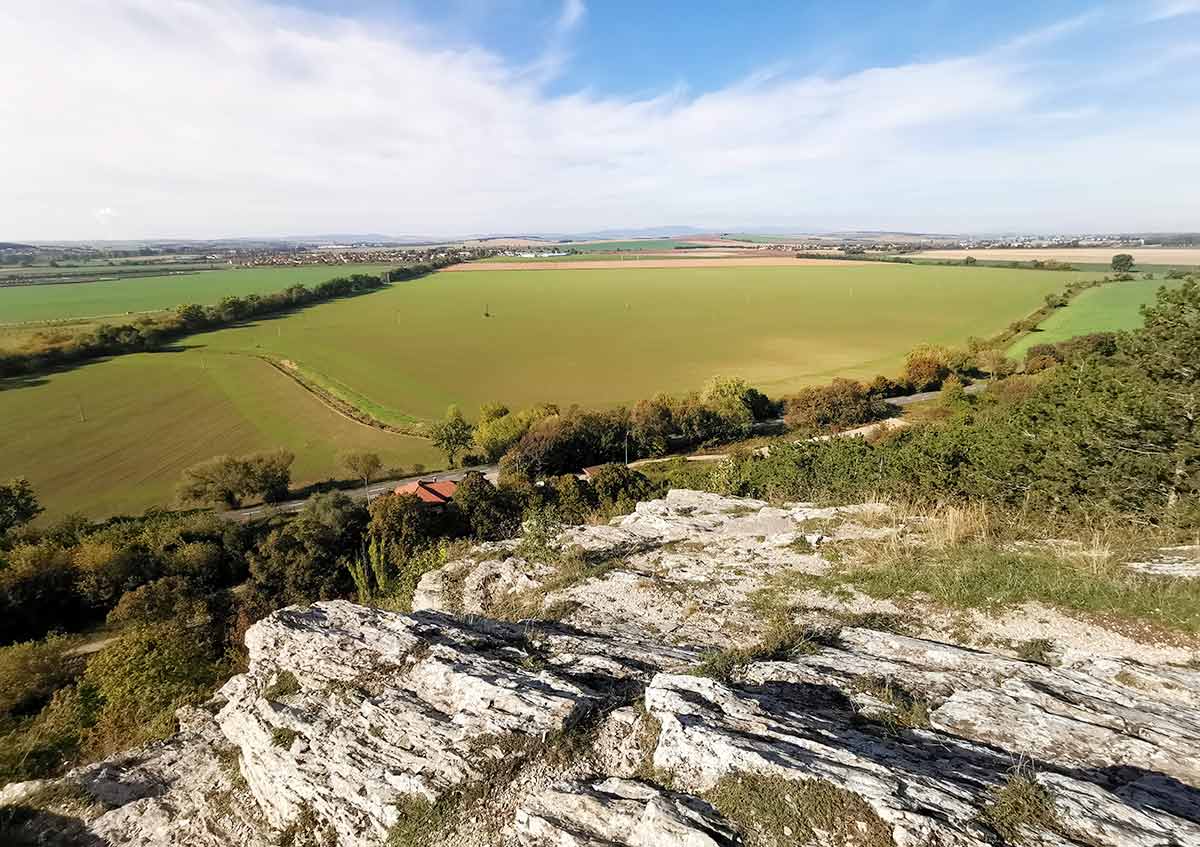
(598, 264)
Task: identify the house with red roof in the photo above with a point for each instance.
(431, 491)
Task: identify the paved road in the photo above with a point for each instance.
(492, 472)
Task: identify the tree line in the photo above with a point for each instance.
(151, 332)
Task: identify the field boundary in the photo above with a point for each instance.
(337, 404)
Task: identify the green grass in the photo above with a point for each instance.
(771, 811)
(603, 337)
(1107, 308)
(151, 293)
(978, 576)
(150, 415)
(593, 337)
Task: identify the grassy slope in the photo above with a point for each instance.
(112, 297)
(592, 337)
(1111, 307)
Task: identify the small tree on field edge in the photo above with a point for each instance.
(452, 435)
(363, 465)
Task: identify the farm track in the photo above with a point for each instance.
(336, 404)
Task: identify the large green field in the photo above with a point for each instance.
(594, 337)
(1107, 308)
(115, 436)
(142, 294)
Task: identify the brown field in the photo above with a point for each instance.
(1098, 255)
(698, 262)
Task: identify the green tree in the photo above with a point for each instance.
(220, 481)
(270, 475)
(18, 504)
(485, 509)
(926, 366)
(452, 435)
(363, 465)
(1122, 263)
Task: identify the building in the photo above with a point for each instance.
(430, 491)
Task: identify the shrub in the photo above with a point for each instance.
(926, 366)
(488, 513)
(842, 404)
(618, 488)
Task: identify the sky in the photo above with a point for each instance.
(128, 119)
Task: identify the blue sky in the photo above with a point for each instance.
(141, 118)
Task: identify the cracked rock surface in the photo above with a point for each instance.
(595, 730)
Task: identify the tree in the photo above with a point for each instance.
(221, 481)
(485, 509)
(1122, 263)
(364, 466)
(926, 367)
(841, 404)
(18, 504)
(452, 434)
(970, 260)
(402, 522)
(270, 474)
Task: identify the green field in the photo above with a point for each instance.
(148, 416)
(1107, 308)
(594, 337)
(142, 294)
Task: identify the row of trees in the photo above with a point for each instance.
(50, 350)
(544, 441)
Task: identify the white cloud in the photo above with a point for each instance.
(233, 117)
(1166, 9)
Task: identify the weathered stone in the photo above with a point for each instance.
(618, 811)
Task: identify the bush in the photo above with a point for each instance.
(487, 513)
(926, 366)
(574, 500)
(618, 489)
(38, 592)
(842, 404)
(30, 673)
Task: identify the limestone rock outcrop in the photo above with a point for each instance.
(615, 725)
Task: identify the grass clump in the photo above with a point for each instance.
(281, 736)
(770, 811)
(982, 576)
(285, 684)
(1020, 804)
(1037, 650)
(782, 641)
(907, 710)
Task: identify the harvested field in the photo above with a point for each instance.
(786, 260)
(1081, 255)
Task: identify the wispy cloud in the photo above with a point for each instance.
(1166, 9)
(239, 117)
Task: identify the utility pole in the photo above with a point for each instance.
(627, 447)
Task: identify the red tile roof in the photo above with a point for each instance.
(430, 491)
